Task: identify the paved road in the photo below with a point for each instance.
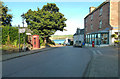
(60, 62)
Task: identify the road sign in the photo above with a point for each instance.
(28, 33)
(21, 30)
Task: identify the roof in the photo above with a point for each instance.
(97, 8)
(106, 30)
(79, 33)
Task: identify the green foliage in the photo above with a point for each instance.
(43, 44)
(12, 34)
(117, 41)
(119, 36)
(47, 21)
(51, 42)
(114, 36)
(5, 33)
(6, 18)
(15, 42)
(41, 41)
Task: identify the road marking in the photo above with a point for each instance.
(99, 52)
(94, 53)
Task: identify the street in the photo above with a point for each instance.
(60, 62)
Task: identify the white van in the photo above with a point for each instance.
(78, 40)
(78, 44)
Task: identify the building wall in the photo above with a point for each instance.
(119, 16)
(96, 19)
(114, 19)
(114, 15)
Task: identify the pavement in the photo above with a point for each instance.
(20, 54)
(104, 62)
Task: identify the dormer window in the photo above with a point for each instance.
(91, 17)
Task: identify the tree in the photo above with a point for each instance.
(47, 21)
(5, 17)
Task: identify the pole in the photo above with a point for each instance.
(23, 27)
(24, 34)
(19, 37)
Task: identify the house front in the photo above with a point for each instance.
(101, 23)
(78, 37)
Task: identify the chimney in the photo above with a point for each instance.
(91, 9)
(108, 0)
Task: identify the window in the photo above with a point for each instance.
(91, 27)
(100, 26)
(104, 38)
(86, 28)
(79, 41)
(101, 11)
(79, 32)
(92, 17)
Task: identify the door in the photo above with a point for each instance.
(34, 42)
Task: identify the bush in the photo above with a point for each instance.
(41, 41)
(50, 41)
(114, 36)
(117, 41)
(43, 44)
(15, 43)
(12, 34)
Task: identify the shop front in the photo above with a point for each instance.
(98, 38)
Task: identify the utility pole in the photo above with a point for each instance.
(19, 37)
(23, 16)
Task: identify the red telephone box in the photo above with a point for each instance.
(36, 41)
(92, 43)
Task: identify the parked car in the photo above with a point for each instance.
(68, 44)
(78, 44)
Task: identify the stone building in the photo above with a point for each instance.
(102, 22)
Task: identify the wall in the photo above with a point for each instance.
(96, 18)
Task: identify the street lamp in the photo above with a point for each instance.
(23, 16)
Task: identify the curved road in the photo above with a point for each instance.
(60, 62)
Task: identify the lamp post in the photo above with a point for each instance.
(23, 16)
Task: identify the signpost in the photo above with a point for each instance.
(19, 37)
(22, 30)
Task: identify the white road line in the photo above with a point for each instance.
(94, 53)
(99, 52)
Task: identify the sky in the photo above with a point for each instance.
(73, 11)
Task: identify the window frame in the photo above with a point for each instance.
(91, 17)
(91, 26)
(100, 24)
(101, 11)
(86, 28)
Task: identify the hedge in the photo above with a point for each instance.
(10, 35)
